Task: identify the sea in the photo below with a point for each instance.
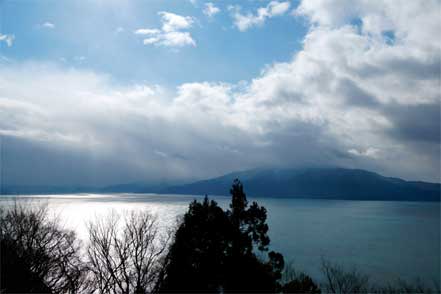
(387, 240)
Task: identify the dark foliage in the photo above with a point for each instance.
(196, 260)
(37, 255)
(16, 274)
(342, 280)
(301, 284)
(297, 282)
(213, 249)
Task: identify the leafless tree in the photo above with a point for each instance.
(37, 244)
(125, 256)
(405, 287)
(339, 280)
(295, 281)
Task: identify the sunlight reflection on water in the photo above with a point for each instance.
(386, 239)
(76, 211)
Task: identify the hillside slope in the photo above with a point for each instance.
(327, 183)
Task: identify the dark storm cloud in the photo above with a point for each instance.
(420, 123)
(296, 141)
(408, 67)
(414, 68)
(27, 162)
(355, 96)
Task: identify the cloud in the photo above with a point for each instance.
(210, 9)
(8, 39)
(418, 123)
(147, 32)
(245, 21)
(276, 8)
(94, 121)
(151, 40)
(170, 34)
(369, 152)
(177, 39)
(350, 97)
(48, 25)
(173, 22)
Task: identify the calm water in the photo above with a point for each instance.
(384, 239)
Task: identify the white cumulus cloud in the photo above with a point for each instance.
(177, 39)
(245, 21)
(147, 32)
(171, 33)
(173, 22)
(210, 9)
(8, 39)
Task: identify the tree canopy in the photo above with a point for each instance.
(214, 250)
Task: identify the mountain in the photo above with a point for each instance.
(313, 183)
(320, 183)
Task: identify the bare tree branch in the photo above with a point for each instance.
(125, 253)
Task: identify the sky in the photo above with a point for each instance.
(101, 92)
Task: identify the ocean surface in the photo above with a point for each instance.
(385, 239)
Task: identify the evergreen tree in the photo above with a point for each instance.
(213, 250)
(196, 260)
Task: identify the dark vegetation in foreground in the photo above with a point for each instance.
(211, 250)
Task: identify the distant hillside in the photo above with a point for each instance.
(323, 183)
(319, 183)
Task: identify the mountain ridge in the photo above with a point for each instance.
(317, 183)
(312, 183)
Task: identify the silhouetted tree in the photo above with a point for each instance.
(125, 258)
(301, 284)
(213, 249)
(16, 274)
(338, 280)
(249, 223)
(297, 282)
(245, 271)
(37, 255)
(405, 287)
(196, 260)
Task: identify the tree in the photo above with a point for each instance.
(127, 257)
(245, 271)
(301, 284)
(16, 274)
(37, 254)
(297, 282)
(249, 223)
(196, 260)
(343, 282)
(213, 249)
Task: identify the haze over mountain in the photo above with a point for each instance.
(313, 183)
(327, 183)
